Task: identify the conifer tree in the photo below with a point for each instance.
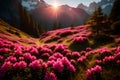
(115, 12)
(27, 23)
(114, 17)
(96, 20)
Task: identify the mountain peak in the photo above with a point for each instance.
(82, 6)
(106, 5)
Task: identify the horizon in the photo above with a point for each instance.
(70, 2)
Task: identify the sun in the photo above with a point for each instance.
(55, 5)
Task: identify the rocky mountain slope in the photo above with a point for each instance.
(106, 5)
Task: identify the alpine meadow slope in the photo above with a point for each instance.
(57, 59)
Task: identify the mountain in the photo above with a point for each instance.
(106, 5)
(65, 15)
(44, 14)
(17, 16)
(32, 4)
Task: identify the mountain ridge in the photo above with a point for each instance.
(106, 5)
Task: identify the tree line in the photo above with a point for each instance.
(101, 23)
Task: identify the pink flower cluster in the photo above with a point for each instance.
(67, 33)
(89, 72)
(53, 59)
(50, 76)
(79, 39)
(20, 65)
(35, 65)
(43, 58)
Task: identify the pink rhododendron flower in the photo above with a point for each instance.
(58, 66)
(6, 66)
(35, 65)
(96, 69)
(50, 76)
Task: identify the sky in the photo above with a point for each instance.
(72, 3)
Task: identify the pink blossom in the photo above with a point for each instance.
(118, 62)
(67, 63)
(20, 65)
(71, 68)
(65, 51)
(104, 50)
(35, 65)
(96, 69)
(88, 49)
(52, 58)
(4, 50)
(44, 65)
(58, 66)
(11, 59)
(72, 61)
(33, 51)
(17, 50)
(21, 58)
(50, 76)
(45, 50)
(68, 54)
(79, 39)
(16, 66)
(1, 57)
(75, 54)
(81, 59)
(6, 66)
(98, 61)
(33, 58)
(40, 60)
(108, 58)
(50, 63)
(117, 56)
(58, 55)
(45, 55)
(59, 48)
(27, 56)
(118, 49)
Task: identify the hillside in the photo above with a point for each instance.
(63, 54)
(14, 35)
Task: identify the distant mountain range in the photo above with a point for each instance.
(46, 16)
(106, 5)
(64, 15)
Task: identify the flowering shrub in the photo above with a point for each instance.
(50, 76)
(58, 61)
(94, 73)
(41, 62)
(79, 43)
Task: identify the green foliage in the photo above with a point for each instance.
(78, 46)
(56, 25)
(116, 27)
(97, 21)
(28, 24)
(102, 39)
(115, 13)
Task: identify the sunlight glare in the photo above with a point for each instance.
(55, 5)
